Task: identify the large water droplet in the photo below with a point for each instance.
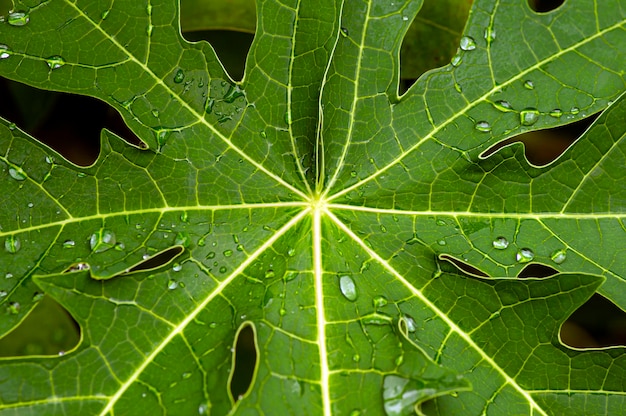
(348, 288)
(500, 243)
(457, 59)
(172, 284)
(483, 126)
(5, 52)
(524, 255)
(12, 245)
(55, 62)
(559, 256)
(529, 116)
(468, 43)
(411, 325)
(17, 173)
(179, 76)
(18, 18)
(102, 240)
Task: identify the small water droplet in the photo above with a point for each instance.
(12, 245)
(18, 18)
(149, 30)
(344, 32)
(270, 274)
(557, 112)
(399, 360)
(353, 173)
(282, 312)
(223, 269)
(529, 85)
(411, 325)
(383, 228)
(483, 126)
(3, 293)
(467, 43)
(529, 116)
(355, 413)
(50, 160)
(288, 117)
(228, 253)
(290, 275)
(441, 242)
(559, 256)
(8, 276)
(104, 14)
(574, 110)
(172, 284)
(69, 244)
(490, 34)
(379, 301)
(37, 296)
(179, 76)
(5, 52)
(13, 308)
(500, 243)
(405, 18)
(356, 358)
(457, 59)
(348, 288)
(182, 239)
(209, 105)
(55, 62)
(102, 240)
(177, 267)
(12, 126)
(17, 173)
(524, 255)
(503, 105)
(233, 93)
(458, 87)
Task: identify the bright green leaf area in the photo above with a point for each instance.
(313, 204)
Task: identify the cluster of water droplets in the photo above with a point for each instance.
(526, 255)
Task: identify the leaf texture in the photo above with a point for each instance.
(313, 204)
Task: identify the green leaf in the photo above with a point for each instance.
(313, 205)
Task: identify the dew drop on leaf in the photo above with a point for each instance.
(344, 32)
(468, 43)
(13, 308)
(223, 269)
(557, 112)
(288, 117)
(177, 267)
(182, 239)
(529, 116)
(3, 293)
(348, 288)
(441, 242)
(269, 274)
(490, 34)
(102, 240)
(8, 275)
(379, 301)
(18, 18)
(574, 110)
(500, 243)
(483, 126)
(5, 52)
(12, 245)
(524, 255)
(228, 253)
(502, 105)
(290, 275)
(55, 62)
(69, 244)
(179, 76)
(172, 284)
(17, 174)
(411, 325)
(37, 296)
(529, 85)
(457, 59)
(559, 256)
(104, 14)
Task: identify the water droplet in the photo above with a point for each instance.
(177, 267)
(529, 116)
(574, 110)
(270, 274)
(102, 240)
(457, 59)
(379, 301)
(78, 267)
(411, 325)
(441, 242)
(179, 76)
(356, 358)
(559, 256)
(399, 360)
(182, 239)
(12, 126)
(500, 243)
(458, 87)
(3, 293)
(282, 312)
(467, 43)
(223, 269)
(524, 255)
(557, 112)
(149, 30)
(17, 173)
(405, 18)
(288, 117)
(37, 296)
(290, 275)
(55, 62)
(13, 308)
(69, 244)
(483, 126)
(209, 105)
(172, 284)
(5, 52)
(348, 288)
(355, 413)
(383, 228)
(8, 276)
(18, 18)
(503, 105)
(228, 253)
(490, 34)
(344, 32)
(529, 85)
(12, 245)
(353, 173)
(233, 93)
(105, 14)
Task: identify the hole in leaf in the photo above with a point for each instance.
(47, 330)
(543, 147)
(464, 267)
(535, 270)
(68, 123)
(158, 260)
(544, 6)
(244, 361)
(432, 38)
(597, 323)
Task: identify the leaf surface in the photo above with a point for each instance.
(313, 205)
